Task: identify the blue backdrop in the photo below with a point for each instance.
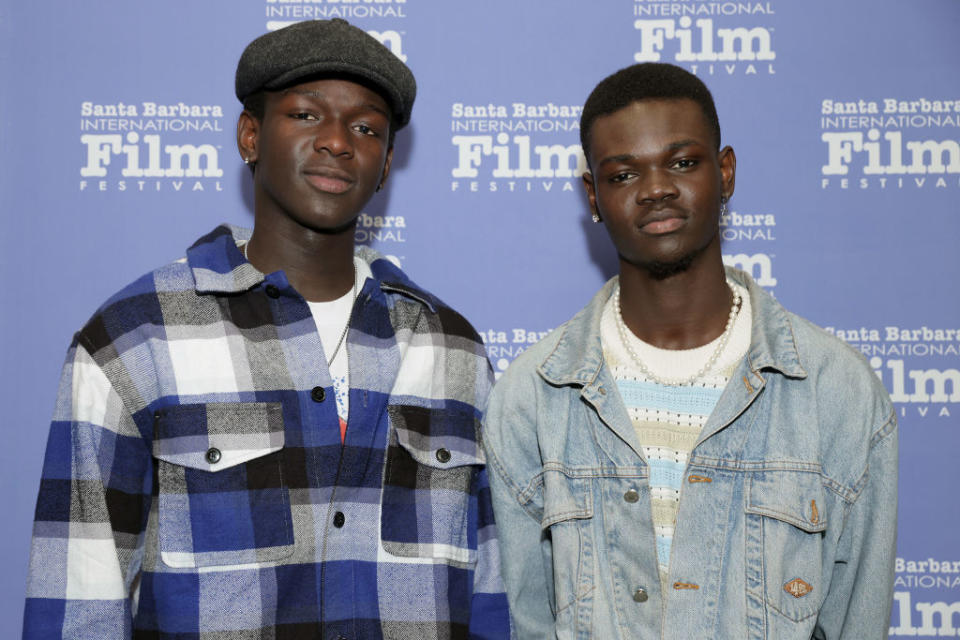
(117, 125)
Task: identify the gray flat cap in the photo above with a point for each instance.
(280, 58)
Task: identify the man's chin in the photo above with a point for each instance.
(662, 270)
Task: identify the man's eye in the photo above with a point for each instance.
(685, 163)
(366, 130)
(304, 115)
(620, 177)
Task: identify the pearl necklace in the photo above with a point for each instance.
(343, 334)
(711, 361)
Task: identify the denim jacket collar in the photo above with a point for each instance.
(578, 356)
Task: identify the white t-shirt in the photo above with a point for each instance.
(331, 318)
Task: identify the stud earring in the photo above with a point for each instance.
(723, 206)
(595, 217)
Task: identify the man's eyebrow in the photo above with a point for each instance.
(623, 157)
(673, 146)
(313, 93)
(629, 157)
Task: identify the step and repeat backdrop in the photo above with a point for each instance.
(117, 150)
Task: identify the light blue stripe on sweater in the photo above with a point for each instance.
(663, 549)
(650, 395)
(666, 473)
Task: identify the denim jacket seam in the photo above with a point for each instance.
(523, 500)
(852, 493)
(888, 427)
(875, 443)
(576, 599)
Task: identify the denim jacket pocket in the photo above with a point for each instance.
(431, 468)
(222, 500)
(788, 511)
(567, 519)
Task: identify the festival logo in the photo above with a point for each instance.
(505, 345)
(916, 365)
(705, 37)
(515, 147)
(282, 13)
(746, 238)
(383, 233)
(150, 146)
(891, 143)
(915, 613)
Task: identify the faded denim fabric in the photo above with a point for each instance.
(787, 518)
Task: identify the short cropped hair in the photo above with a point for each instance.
(646, 81)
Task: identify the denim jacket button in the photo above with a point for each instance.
(640, 595)
(443, 456)
(631, 496)
(213, 455)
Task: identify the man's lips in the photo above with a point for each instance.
(661, 222)
(329, 180)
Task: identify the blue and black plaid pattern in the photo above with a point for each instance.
(195, 486)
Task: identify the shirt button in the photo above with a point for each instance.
(631, 496)
(602, 391)
(213, 455)
(273, 291)
(339, 519)
(443, 455)
(317, 394)
(640, 595)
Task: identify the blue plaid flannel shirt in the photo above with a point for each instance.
(195, 486)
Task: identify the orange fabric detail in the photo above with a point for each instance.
(685, 585)
(694, 478)
(343, 430)
(815, 514)
(797, 588)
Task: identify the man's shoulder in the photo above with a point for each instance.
(409, 300)
(140, 303)
(823, 353)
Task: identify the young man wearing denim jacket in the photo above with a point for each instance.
(685, 458)
(275, 437)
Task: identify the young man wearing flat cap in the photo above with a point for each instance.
(275, 437)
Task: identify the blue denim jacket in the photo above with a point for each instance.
(787, 517)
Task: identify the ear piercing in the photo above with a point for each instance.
(595, 217)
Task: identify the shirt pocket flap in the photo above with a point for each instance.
(565, 498)
(217, 436)
(794, 497)
(437, 438)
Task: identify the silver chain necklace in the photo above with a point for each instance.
(353, 301)
(343, 334)
(711, 361)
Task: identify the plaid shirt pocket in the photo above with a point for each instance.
(429, 501)
(222, 499)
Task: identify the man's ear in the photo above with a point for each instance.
(591, 189)
(386, 168)
(248, 134)
(728, 171)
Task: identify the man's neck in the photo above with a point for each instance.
(318, 265)
(682, 311)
